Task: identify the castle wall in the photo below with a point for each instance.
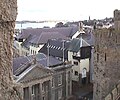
(106, 62)
(117, 19)
(8, 12)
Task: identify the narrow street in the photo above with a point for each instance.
(84, 92)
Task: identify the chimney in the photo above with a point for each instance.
(80, 26)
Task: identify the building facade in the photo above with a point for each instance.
(78, 51)
(80, 58)
(40, 82)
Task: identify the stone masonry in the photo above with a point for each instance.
(117, 19)
(106, 62)
(8, 12)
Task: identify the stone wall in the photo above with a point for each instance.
(106, 62)
(114, 94)
(117, 19)
(8, 12)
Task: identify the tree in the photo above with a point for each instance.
(8, 13)
(60, 24)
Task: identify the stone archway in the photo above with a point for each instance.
(8, 13)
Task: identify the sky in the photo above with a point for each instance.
(71, 10)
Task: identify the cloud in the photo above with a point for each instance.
(65, 9)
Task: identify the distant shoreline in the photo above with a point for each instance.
(32, 24)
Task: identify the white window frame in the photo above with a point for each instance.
(59, 79)
(52, 82)
(33, 90)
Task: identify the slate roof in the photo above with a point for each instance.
(56, 48)
(44, 36)
(17, 62)
(76, 44)
(37, 75)
(40, 58)
(26, 43)
(83, 40)
(41, 35)
(66, 31)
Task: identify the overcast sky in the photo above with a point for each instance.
(66, 9)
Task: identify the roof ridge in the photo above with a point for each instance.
(39, 38)
(86, 42)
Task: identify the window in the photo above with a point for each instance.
(26, 93)
(33, 90)
(75, 63)
(52, 82)
(26, 53)
(97, 57)
(59, 79)
(33, 51)
(69, 77)
(105, 57)
(36, 92)
(84, 72)
(72, 70)
(69, 92)
(76, 73)
(42, 86)
(59, 94)
(45, 86)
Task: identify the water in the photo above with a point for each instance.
(35, 25)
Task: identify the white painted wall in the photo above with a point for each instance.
(75, 68)
(24, 51)
(84, 63)
(18, 46)
(70, 56)
(35, 49)
(76, 34)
